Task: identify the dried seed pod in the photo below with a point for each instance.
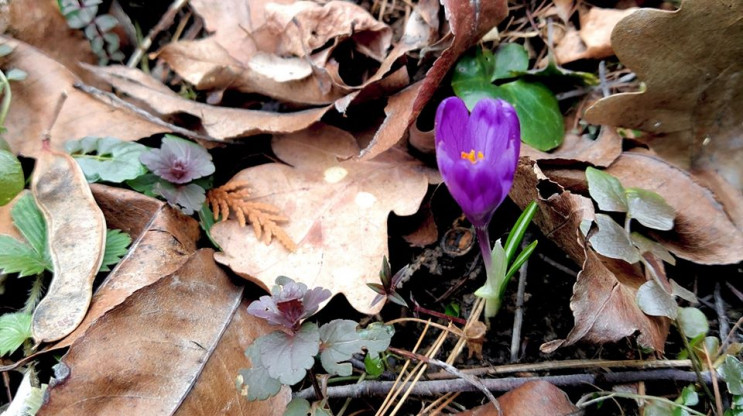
(76, 231)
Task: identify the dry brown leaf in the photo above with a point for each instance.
(6, 221)
(41, 25)
(692, 105)
(593, 40)
(35, 100)
(218, 122)
(530, 399)
(337, 209)
(146, 355)
(303, 26)
(76, 235)
(600, 152)
(605, 308)
(560, 211)
(162, 240)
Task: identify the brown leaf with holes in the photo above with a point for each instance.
(605, 308)
(162, 240)
(337, 209)
(530, 399)
(218, 122)
(169, 335)
(600, 152)
(692, 106)
(234, 197)
(35, 101)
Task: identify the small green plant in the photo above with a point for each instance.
(387, 290)
(656, 297)
(82, 14)
(542, 125)
(284, 356)
(31, 258)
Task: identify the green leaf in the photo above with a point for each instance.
(144, 184)
(689, 396)
(606, 190)
(117, 244)
(373, 365)
(473, 71)
(107, 159)
(657, 408)
(452, 309)
(11, 176)
(14, 329)
(542, 125)
(297, 407)
(260, 386)
(731, 371)
(377, 337)
(18, 257)
(683, 293)
(28, 219)
(654, 301)
(339, 342)
(495, 280)
(206, 221)
(650, 209)
(646, 245)
(511, 60)
(5, 50)
(520, 260)
(188, 198)
(611, 240)
(16, 74)
(517, 233)
(692, 322)
(288, 357)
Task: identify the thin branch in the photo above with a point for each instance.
(439, 387)
(165, 22)
(518, 317)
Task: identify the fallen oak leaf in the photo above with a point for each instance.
(532, 398)
(336, 206)
(691, 107)
(593, 40)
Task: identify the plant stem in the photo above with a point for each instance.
(34, 294)
(609, 395)
(483, 239)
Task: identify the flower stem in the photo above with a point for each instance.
(483, 239)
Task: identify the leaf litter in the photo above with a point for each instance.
(328, 192)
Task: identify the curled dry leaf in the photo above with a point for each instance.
(337, 209)
(532, 398)
(605, 308)
(162, 240)
(76, 232)
(218, 122)
(692, 107)
(169, 333)
(35, 100)
(702, 233)
(593, 40)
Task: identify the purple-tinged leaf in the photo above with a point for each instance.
(288, 357)
(178, 160)
(260, 386)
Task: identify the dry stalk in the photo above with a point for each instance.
(232, 197)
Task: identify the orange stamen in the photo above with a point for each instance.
(471, 156)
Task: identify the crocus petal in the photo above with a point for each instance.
(451, 120)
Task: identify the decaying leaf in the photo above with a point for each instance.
(218, 122)
(35, 99)
(163, 239)
(155, 345)
(593, 40)
(692, 105)
(605, 308)
(600, 152)
(76, 230)
(532, 398)
(337, 210)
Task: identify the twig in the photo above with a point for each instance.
(715, 387)
(165, 22)
(46, 134)
(565, 269)
(518, 317)
(722, 318)
(451, 369)
(114, 101)
(420, 309)
(724, 343)
(439, 387)
(567, 365)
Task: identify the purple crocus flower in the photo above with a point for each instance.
(477, 154)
